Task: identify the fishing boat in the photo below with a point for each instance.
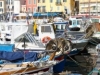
(27, 67)
(32, 66)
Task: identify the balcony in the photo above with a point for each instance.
(43, 10)
(58, 3)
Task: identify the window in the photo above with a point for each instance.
(51, 8)
(43, 1)
(58, 0)
(34, 1)
(45, 29)
(38, 1)
(39, 8)
(64, 0)
(1, 10)
(63, 27)
(34, 10)
(8, 1)
(94, 7)
(58, 8)
(43, 9)
(51, 1)
(29, 9)
(58, 27)
(0, 4)
(12, 7)
(11, 1)
(29, 1)
(74, 22)
(79, 22)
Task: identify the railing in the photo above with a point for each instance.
(32, 39)
(58, 3)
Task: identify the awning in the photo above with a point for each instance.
(49, 14)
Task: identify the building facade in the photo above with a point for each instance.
(31, 6)
(91, 7)
(16, 4)
(56, 6)
(9, 6)
(23, 6)
(2, 6)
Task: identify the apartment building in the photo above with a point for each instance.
(91, 7)
(23, 6)
(31, 6)
(9, 6)
(56, 6)
(2, 6)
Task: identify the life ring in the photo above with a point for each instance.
(46, 39)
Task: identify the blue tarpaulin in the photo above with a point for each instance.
(18, 56)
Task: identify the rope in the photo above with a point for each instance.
(77, 62)
(94, 70)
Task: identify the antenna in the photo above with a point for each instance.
(24, 48)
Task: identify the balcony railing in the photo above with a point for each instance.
(58, 3)
(43, 10)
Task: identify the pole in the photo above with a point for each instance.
(89, 8)
(97, 7)
(24, 48)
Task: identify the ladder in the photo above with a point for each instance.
(32, 39)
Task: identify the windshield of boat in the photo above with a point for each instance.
(21, 38)
(74, 22)
(45, 29)
(60, 26)
(94, 20)
(79, 22)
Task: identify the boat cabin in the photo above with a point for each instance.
(95, 20)
(60, 27)
(43, 32)
(74, 24)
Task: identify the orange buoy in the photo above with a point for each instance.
(46, 39)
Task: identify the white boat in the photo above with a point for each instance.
(11, 30)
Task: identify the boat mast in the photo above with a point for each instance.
(89, 9)
(97, 7)
(10, 15)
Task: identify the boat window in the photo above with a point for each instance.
(2, 28)
(9, 27)
(95, 20)
(21, 39)
(74, 22)
(78, 22)
(58, 27)
(63, 27)
(45, 29)
(70, 22)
